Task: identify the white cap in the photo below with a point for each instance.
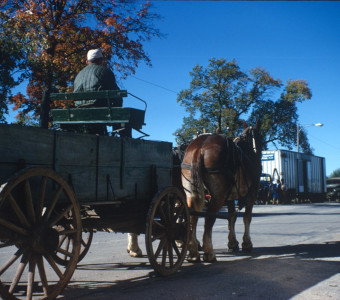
(93, 54)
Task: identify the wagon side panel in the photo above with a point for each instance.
(132, 169)
(76, 161)
(24, 147)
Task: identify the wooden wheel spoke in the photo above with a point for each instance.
(19, 272)
(54, 265)
(168, 207)
(42, 274)
(53, 203)
(29, 201)
(162, 213)
(83, 242)
(62, 240)
(40, 214)
(40, 205)
(31, 273)
(11, 261)
(158, 237)
(176, 248)
(18, 211)
(171, 255)
(13, 227)
(65, 251)
(68, 241)
(158, 230)
(67, 232)
(160, 247)
(9, 243)
(60, 215)
(179, 211)
(164, 253)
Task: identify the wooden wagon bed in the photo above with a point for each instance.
(58, 187)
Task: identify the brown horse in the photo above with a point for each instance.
(228, 170)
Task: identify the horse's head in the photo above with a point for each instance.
(250, 140)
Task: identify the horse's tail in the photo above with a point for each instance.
(197, 180)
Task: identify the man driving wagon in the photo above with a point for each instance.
(96, 77)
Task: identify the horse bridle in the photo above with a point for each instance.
(252, 137)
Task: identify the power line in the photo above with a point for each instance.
(337, 148)
(154, 84)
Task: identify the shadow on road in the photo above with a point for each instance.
(266, 273)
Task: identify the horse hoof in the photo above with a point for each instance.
(137, 253)
(210, 258)
(234, 248)
(194, 259)
(247, 248)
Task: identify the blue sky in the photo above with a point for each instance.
(292, 40)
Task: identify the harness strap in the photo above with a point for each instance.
(186, 166)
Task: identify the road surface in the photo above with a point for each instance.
(296, 256)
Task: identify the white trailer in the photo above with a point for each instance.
(304, 174)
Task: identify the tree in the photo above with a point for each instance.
(280, 117)
(55, 35)
(335, 173)
(10, 63)
(221, 96)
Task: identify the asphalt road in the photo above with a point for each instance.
(296, 256)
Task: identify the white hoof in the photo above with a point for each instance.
(137, 253)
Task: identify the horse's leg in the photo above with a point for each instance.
(232, 241)
(193, 254)
(193, 202)
(209, 254)
(217, 187)
(247, 245)
(132, 247)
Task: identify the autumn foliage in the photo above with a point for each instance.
(55, 36)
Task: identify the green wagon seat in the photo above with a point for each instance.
(108, 115)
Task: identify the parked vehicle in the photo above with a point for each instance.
(333, 188)
(304, 174)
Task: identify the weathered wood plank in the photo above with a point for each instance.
(34, 145)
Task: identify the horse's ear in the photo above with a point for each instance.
(244, 124)
(258, 124)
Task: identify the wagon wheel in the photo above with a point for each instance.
(66, 240)
(168, 222)
(32, 204)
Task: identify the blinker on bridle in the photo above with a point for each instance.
(252, 137)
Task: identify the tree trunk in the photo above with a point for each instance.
(45, 107)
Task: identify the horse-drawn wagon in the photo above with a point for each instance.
(58, 187)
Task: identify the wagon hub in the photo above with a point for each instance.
(46, 240)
